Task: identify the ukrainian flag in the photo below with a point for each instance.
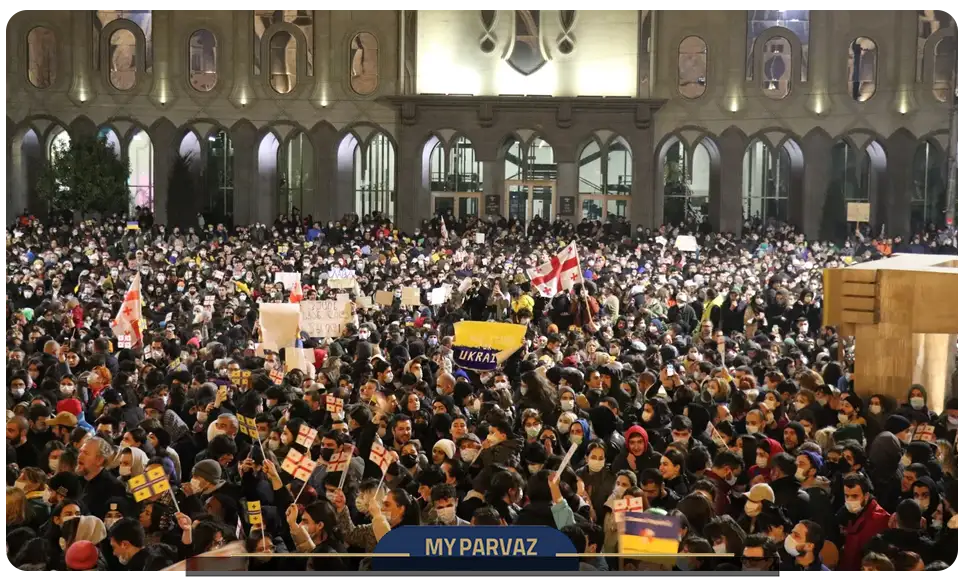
(649, 534)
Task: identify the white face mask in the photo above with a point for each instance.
(202, 416)
(917, 402)
(533, 468)
(446, 515)
(53, 465)
(843, 418)
(752, 429)
(799, 405)
(791, 546)
(273, 445)
(720, 548)
(567, 404)
(771, 405)
(853, 506)
(469, 455)
(647, 416)
(67, 389)
(875, 409)
(493, 439)
(596, 465)
(532, 431)
(124, 470)
(801, 474)
(563, 426)
(361, 503)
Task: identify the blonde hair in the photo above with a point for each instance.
(824, 438)
(16, 506)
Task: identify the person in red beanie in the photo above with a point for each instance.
(638, 454)
(84, 555)
(72, 406)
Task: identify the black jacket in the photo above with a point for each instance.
(894, 540)
(789, 496)
(96, 492)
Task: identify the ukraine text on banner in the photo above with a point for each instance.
(127, 324)
(561, 272)
(151, 483)
(299, 465)
(254, 512)
(483, 346)
(306, 436)
(340, 461)
(380, 457)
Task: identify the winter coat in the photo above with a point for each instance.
(858, 531)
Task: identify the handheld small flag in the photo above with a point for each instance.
(339, 462)
(334, 404)
(381, 458)
(254, 513)
(306, 436)
(149, 484)
(299, 465)
(236, 377)
(277, 377)
(252, 426)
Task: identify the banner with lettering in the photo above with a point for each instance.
(324, 318)
(483, 346)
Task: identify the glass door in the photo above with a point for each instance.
(458, 204)
(528, 199)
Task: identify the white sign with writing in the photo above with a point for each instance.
(324, 318)
(287, 279)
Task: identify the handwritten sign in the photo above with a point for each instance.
(341, 278)
(287, 279)
(686, 243)
(411, 297)
(324, 318)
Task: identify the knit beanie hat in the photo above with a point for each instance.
(447, 446)
(208, 470)
(82, 555)
(896, 424)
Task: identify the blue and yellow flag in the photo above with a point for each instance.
(649, 534)
(483, 346)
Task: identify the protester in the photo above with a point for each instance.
(699, 382)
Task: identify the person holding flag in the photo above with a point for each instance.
(127, 324)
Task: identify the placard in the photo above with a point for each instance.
(295, 359)
(279, 325)
(438, 296)
(411, 297)
(687, 243)
(287, 279)
(567, 206)
(492, 203)
(339, 278)
(480, 238)
(324, 318)
(386, 298)
(858, 212)
(364, 302)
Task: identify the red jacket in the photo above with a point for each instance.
(857, 533)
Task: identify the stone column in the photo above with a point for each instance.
(933, 366)
(567, 185)
(643, 205)
(816, 146)
(323, 139)
(493, 183)
(165, 151)
(726, 208)
(411, 200)
(245, 172)
(896, 189)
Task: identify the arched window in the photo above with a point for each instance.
(929, 202)
(123, 59)
(364, 63)
(455, 179)
(283, 59)
(41, 57)
(140, 153)
(691, 67)
(220, 173)
(862, 69)
(297, 176)
(375, 177)
(759, 21)
(110, 137)
(777, 67)
(203, 60)
(304, 20)
(605, 179)
(846, 186)
(945, 65)
(58, 141)
(532, 170)
(766, 182)
(686, 184)
(929, 22)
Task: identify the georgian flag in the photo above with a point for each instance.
(560, 273)
(444, 231)
(380, 457)
(127, 325)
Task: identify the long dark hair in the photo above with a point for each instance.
(413, 514)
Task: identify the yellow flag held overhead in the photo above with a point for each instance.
(151, 483)
(254, 513)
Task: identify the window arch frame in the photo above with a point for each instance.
(361, 156)
(351, 38)
(604, 199)
(679, 67)
(141, 76)
(217, 65)
(54, 60)
(851, 68)
(301, 60)
(933, 56)
(306, 171)
(778, 162)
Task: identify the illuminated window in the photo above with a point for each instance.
(929, 22)
(692, 67)
(283, 57)
(862, 69)
(202, 60)
(374, 170)
(41, 57)
(605, 179)
(777, 68)
(766, 181)
(796, 21)
(364, 63)
(143, 19)
(123, 59)
(140, 153)
(220, 173)
(945, 64)
(686, 184)
(297, 174)
(929, 202)
(304, 20)
(59, 141)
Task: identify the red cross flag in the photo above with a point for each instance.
(339, 462)
(299, 465)
(277, 376)
(380, 457)
(444, 231)
(127, 325)
(561, 272)
(306, 436)
(334, 404)
(296, 295)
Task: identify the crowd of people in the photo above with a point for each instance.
(702, 382)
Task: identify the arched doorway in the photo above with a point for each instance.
(373, 175)
(140, 154)
(928, 205)
(219, 176)
(110, 137)
(686, 184)
(766, 182)
(56, 141)
(297, 175)
(530, 180)
(605, 179)
(455, 177)
(27, 161)
(266, 204)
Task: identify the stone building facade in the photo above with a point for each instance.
(651, 115)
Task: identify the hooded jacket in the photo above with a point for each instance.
(646, 460)
(885, 471)
(923, 415)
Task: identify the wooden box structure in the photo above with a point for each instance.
(902, 313)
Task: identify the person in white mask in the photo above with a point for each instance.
(444, 501)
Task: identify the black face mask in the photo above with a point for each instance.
(326, 453)
(409, 460)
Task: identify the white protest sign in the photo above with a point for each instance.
(480, 238)
(295, 359)
(341, 278)
(465, 284)
(437, 296)
(324, 318)
(686, 243)
(287, 279)
(279, 325)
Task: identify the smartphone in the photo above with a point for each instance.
(670, 371)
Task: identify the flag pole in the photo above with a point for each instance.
(173, 499)
(303, 485)
(344, 472)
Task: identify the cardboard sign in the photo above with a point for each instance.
(325, 318)
(411, 297)
(287, 279)
(219, 275)
(295, 359)
(279, 324)
(386, 298)
(858, 212)
(687, 243)
(341, 283)
(480, 238)
(364, 302)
